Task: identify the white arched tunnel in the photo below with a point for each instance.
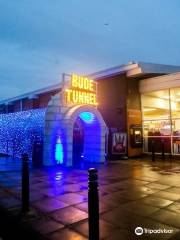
(76, 134)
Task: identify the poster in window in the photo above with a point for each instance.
(119, 143)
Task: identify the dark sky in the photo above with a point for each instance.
(41, 39)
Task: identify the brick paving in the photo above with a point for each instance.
(132, 193)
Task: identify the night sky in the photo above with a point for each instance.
(39, 40)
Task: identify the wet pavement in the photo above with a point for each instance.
(133, 193)
(9, 164)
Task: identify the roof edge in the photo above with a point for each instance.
(144, 68)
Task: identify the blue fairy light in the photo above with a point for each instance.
(19, 130)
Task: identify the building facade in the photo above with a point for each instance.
(137, 104)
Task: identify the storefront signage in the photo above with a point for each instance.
(119, 143)
(82, 90)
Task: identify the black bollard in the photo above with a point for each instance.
(153, 150)
(163, 150)
(93, 204)
(25, 183)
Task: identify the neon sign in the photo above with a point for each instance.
(82, 91)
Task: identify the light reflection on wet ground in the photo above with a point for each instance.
(132, 193)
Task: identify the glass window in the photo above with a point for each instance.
(161, 120)
(158, 131)
(175, 113)
(175, 102)
(156, 120)
(155, 105)
(176, 136)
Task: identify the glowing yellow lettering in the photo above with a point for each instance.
(69, 91)
(74, 80)
(75, 97)
(82, 91)
(82, 83)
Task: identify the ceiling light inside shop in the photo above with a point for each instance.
(173, 106)
(149, 109)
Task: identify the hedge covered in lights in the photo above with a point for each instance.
(19, 130)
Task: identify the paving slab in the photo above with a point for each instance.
(132, 193)
(69, 215)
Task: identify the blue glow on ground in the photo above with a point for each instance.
(87, 117)
(59, 155)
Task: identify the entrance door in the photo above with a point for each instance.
(78, 142)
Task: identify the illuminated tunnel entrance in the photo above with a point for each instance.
(86, 138)
(74, 136)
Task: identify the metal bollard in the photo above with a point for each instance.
(163, 150)
(25, 183)
(153, 150)
(93, 204)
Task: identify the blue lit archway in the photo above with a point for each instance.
(88, 143)
(59, 127)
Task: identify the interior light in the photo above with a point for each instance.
(59, 151)
(173, 105)
(161, 103)
(177, 93)
(87, 117)
(149, 109)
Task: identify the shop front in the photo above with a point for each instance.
(161, 115)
